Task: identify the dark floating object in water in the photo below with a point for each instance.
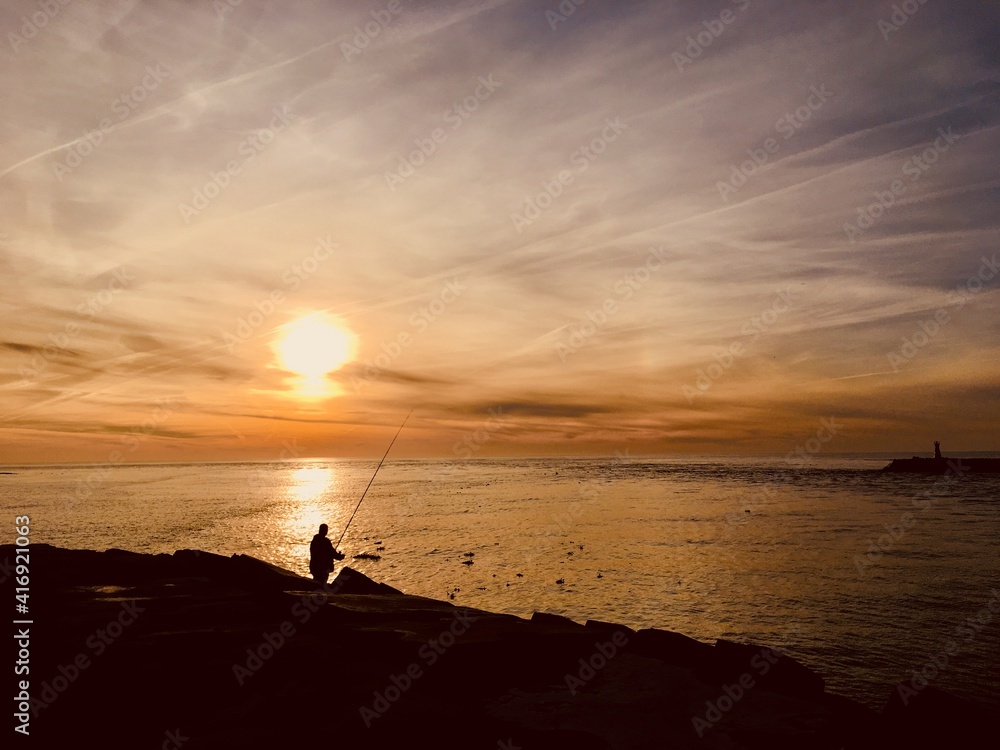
(561, 581)
(600, 574)
(469, 554)
(451, 595)
(581, 546)
(468, 562)
(382, 549)
(367, 556)
(943, 465)
(520, 575)
(746, 511)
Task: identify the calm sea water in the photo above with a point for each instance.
(746, 549)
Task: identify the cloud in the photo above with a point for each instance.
(745, 168)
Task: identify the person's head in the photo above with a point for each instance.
(323, 528)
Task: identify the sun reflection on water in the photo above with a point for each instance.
(311, 482)
(312, 498)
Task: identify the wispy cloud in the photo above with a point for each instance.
(457, 307)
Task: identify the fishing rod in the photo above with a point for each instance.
(370, 481)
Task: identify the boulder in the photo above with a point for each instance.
(608, 629)
(350, 581)
(672, 648)
(771, 669)
(556, 622)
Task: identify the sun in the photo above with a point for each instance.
(315, 345)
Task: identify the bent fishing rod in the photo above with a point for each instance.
(370, 481)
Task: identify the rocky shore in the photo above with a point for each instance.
(195, 650)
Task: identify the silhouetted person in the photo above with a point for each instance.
(937, 449)
(321, 555)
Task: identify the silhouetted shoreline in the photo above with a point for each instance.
(234, 652)
(956, 466)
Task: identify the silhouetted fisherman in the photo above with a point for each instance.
(321, 555)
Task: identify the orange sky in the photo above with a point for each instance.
(698, 228)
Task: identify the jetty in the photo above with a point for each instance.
(940, 464)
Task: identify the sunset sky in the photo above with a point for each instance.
(691, 227)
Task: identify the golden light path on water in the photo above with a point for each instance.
(313, 496)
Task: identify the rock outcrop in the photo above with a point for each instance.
(196, 650)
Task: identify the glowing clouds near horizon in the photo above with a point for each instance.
(311, 347)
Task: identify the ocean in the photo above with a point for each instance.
(868, 578)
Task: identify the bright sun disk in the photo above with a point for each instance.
(315, 345)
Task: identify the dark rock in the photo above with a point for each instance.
(251, 570)
(771, 669)
(192, 562)
(673, 648)
(554, 621)
(350, 581)
(932, 718)
(235, 652)
(608, 629)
